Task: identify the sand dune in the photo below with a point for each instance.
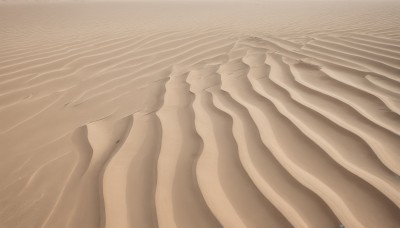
(199, 115)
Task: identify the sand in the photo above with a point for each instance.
(200, 115)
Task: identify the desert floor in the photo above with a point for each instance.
(199, 115)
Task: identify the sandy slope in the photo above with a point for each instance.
(200, 115)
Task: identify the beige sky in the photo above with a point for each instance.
(243, 0)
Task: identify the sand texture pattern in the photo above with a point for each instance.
(199, 115)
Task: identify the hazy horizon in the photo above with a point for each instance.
(208, 1)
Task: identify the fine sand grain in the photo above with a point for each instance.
(199, 115)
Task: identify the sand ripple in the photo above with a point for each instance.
(202, 127)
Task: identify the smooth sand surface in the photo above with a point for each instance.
(200, 115)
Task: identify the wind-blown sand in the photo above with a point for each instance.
(200, 115)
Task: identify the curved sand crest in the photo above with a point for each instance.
(206, 127)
